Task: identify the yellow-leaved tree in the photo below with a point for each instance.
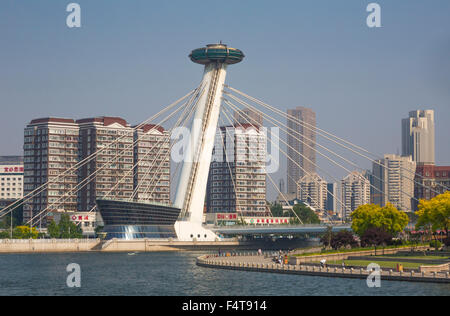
(435, 213)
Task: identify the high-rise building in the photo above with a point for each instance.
(248, 115)
(111, 170)
(332, 197)
(11, 176)
(393, 177)
(152, 172)
(50, 150)
(302, 144)
(237, 177)
(431, 180)
(418, 137)
(355, 191)
(312, 189)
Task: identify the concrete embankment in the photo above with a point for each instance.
(255, 263)
(114, 245)
(47, 245)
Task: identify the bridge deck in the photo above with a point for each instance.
(281, 229)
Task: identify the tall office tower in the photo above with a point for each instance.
(393, 178)
(152, 172)
(111, 170)
(247, 115)
(239, 159)
(355, 192)
(50, 150)
(418, 137)
(312, 189)
(302, 144)
(11, 176)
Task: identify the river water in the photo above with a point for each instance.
(173, 274)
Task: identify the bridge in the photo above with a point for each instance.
(276, 230)
(209, 109)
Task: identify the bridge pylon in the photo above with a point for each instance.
(191, 191)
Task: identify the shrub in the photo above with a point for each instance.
(436, 244)
(447, 242)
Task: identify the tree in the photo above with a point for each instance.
(24, 232)
(376, 237)
(387, 218)
(435, 213)
(343, 239)
(327, 237)
(277, 210)
(66, 229)
(307, 215)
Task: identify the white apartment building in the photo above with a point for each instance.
(11, 178)
(312, 189)
(393, 177)
(355, 191)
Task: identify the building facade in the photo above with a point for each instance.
(302, 144)
(111, 171)
(393, 177)
(431, 180)
(152, 164)
(50, 151)
(355, 192)
(312, 189)
(418, 137)
(237, 178)
(11, 176)
(247, 115)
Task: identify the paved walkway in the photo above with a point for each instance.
(262, 263)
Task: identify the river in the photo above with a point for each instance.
(165, 274)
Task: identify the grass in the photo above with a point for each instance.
(415, 257)
(383, 264)
(330, 252)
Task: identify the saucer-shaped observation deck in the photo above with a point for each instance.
(216, 53)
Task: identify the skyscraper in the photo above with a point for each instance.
(302, 144)
(237, 177)
(418, 137)
(393, 177)
(152, 172)
(112, 168)
(50, 149)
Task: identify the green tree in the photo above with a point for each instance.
(277, 210)
(327, 237)
(307, 215)
(387, 218)
(65, 229)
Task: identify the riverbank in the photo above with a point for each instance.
(142, 245)
(264, 263)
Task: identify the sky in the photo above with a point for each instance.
(130, 59)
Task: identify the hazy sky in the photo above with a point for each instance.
(129, 59)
